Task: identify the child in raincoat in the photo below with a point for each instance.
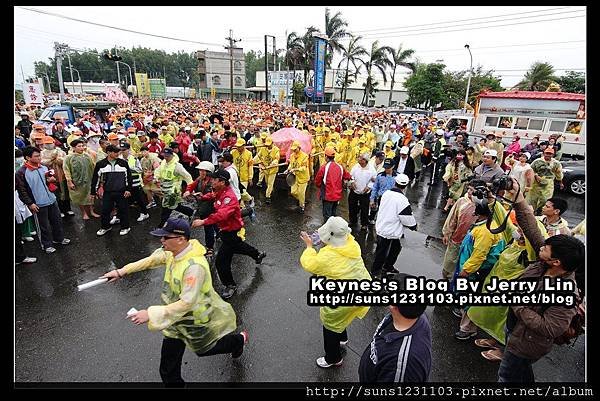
(339, 259)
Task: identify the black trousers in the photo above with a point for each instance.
(230, 245)
(329, 209)
(514, 369)
(109, 200)
(139, 198)
(50, 224)
(386, 253)
(373, 212)
(172, 351)
(358, 204)
(166, 212)
(19, 250)
(331, 341)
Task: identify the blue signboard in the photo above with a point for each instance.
(320, 46)
(309, 91)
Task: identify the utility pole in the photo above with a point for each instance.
(58, 49)
(71, 70)
(22, 74)
(287, 67)
(231, 43)
(118, 71)
(266, 72)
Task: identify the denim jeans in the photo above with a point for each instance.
(514, 369)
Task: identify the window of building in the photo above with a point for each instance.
(238, 81)
(202, 77)
(557, 126)
(574, 127)
(237, 66)
(505, 122)
(216, 80)
(536, 124)
(201, 63)
(491, 121)
(521, 123)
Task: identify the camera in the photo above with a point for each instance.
(502, 183)
(481, 192)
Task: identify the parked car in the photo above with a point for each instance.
(574, 177)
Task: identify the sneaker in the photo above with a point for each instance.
(124, 231)
(238, 353)
(229, 291)
(34, 233)
(151, 205)
(209, 252)
(322, 363)
(391, 271)
(28, 239)
(301, 210)
(115, 220)
(70, 213)
(268, 201)
(260, 258)
(343, 342)
(50, 250)
(372, 222)
(103, 231)
(457, 312)
(461, 335)
(27, 260)
(143, 217)
(62, 215)
(251, 203)
(65, 241)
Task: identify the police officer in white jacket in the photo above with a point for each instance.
(394, 214)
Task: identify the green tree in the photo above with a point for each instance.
(572, 82)
(377, 58)
(538, 78)
(426, 86)
(335, 29)
(455, 85)
(351, 54)
(399, 57)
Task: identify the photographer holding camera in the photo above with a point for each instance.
(532, 330)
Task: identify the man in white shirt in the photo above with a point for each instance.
(363, 176)
(394, 214)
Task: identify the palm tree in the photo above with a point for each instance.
(538, 78)
(400, 58)
(306, 50)
(351, 54)
(335, 30)
(376, 58)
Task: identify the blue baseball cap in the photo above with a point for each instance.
(173, 226)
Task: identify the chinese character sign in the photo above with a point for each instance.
(320, 45)
(33, 94)
(158, 88)
(143, 86)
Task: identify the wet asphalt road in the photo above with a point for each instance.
(65, 335)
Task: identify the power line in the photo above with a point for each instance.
(66, 36)
(481, 27)
(454, 21)
(116, 28)
(496, 47)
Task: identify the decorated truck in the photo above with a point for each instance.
(527, 113)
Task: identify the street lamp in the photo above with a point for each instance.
(78, 77)
(130, 76)
(469, 80)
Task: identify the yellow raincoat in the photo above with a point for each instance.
(337, 263)
(191, 311)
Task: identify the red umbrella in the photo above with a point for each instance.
(284, 137)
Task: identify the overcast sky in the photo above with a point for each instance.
(500, 38)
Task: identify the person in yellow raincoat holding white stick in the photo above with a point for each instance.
(339, 259)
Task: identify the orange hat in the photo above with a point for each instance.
(38, 135)
(47, 140)
(112, 136)
(549, 149)
(131, 129)
(329, 151)
(38, 126)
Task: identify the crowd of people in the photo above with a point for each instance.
(196, 159)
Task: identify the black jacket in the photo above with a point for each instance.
(409, 170)
(25, 127)
(115, 178)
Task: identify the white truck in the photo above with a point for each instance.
(527, 114)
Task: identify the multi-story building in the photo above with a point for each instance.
(215, 71)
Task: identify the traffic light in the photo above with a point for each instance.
(112, 57)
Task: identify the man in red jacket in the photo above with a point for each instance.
(329, 180)
(228, 218)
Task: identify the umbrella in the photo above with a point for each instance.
(284, 137)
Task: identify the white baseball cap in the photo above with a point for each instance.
(404, 150)
(402, 179)
(491, 152)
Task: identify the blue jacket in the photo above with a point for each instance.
(383, 182)
(32, 186)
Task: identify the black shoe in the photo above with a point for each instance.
(268, 201)
(390, 272)
(237, 353)
(229, 291)
(301, 210)
(260, 258)
(457, 312)
(463, 336)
